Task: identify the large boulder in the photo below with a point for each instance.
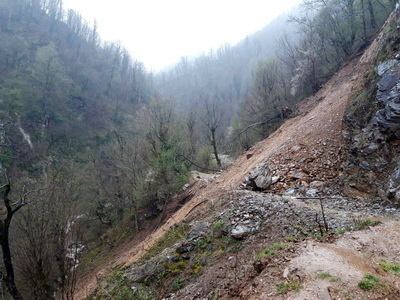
(260, 178)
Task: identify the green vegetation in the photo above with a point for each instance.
(287, 287)
(219, 224)
(119, 287)
(366, 223)
(343, 230)
(272, 249)
(328, 277)
(177, 284)
(369, 283)
(390, 267)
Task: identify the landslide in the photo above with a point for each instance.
(306, 152)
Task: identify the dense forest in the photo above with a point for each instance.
(90, 141)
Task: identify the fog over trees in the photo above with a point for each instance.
(93, 147)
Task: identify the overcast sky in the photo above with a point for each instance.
(159, 32)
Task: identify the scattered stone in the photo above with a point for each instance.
(365, 165)
(298, 175)
(295, 148)
(312, 192)
(290, 191)
(285, 273)
(371, 148)
(275, 179)
(316, 184)
(240, 232)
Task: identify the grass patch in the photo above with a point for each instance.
(168, 240)
(286, 287)
(178, 284)
(272, 249)
(327, 276)
(343, 230)
(366, 223)
(368, 283)
(390, 267)
(219, 224)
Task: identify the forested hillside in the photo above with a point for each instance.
(93, 148)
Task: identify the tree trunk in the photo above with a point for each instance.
(374, 25)
(214, 145)
(364, 23)
(5, 247)
(5, 244)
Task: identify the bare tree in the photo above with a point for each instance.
(211, 115)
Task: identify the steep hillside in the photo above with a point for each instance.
(308, 236)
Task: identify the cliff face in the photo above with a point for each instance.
(373, 125)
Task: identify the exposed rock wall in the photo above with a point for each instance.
(373, 164)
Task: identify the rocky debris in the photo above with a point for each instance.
(260, 178)
(309, 166)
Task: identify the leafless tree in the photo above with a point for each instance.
(211, 115)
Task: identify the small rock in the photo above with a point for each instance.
(312, 192)
(371, 148)
(290, 191)
(365, 165)
(295, 148)
(275, 179)
(240, 232)
(299, 175)
(316, 184)
(285, 273)
(134, 289)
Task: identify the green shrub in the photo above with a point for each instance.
(369, 283)
(390, 267)
(272, 250)
(286, 287)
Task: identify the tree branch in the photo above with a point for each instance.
(203, 168)
(251, 126)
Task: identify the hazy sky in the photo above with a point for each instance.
(159, 32)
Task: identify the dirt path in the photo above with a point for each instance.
(320, 128)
